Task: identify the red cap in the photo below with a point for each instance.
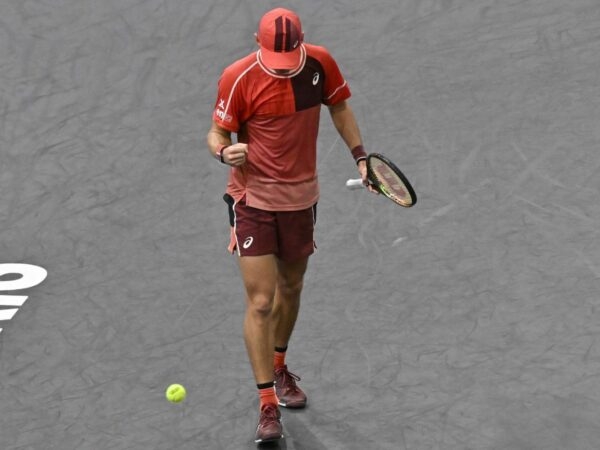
(280, 37)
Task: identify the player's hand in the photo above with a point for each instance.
(236, 154)
(362, 169)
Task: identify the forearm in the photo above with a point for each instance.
(345, 123)
(216, 139)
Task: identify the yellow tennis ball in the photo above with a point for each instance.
(175, 393)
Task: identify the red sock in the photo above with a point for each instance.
(266, 394)
(279, 359)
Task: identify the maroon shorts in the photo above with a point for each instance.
(287, 234)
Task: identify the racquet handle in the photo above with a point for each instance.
(355, 183)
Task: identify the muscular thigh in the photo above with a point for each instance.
(260, 277)
(290, 275)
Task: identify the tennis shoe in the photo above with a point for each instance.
(269, 427)
(288, 393)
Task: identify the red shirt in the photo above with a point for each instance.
(278, 117)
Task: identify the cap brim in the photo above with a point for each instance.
(281, 60)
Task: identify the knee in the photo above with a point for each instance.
(260, 305)
(290, 287)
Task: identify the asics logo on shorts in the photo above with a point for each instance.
(248, 242)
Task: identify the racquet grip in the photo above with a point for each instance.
(355, 183)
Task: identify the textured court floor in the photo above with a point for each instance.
(468, 322)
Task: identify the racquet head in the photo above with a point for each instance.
(389, 180)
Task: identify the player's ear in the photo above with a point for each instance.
(256, 38)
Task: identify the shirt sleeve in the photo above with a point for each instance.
(336, 88)
(229, 105)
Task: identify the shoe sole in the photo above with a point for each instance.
(269, 440)
(292, 405)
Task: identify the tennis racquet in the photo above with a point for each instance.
(385, 177)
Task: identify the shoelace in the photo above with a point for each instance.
(289, 378)
(269, 413)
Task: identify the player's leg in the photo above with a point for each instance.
(259, 274)
(295, 230)
(296, 244)
(255, 231)
(254, 237)
(290, 279)
(260, 278)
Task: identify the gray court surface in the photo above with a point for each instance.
(470, 321)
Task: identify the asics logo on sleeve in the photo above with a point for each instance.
(315, 78)
(248, 242)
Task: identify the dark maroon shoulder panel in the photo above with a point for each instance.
(308, 85)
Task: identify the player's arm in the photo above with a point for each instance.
(221, 147)
(345, 123)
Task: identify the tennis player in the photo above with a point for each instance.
(271, 99)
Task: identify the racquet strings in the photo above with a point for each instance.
(390, 182)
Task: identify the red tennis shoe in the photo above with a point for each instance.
(269, 427)
(288, 393)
